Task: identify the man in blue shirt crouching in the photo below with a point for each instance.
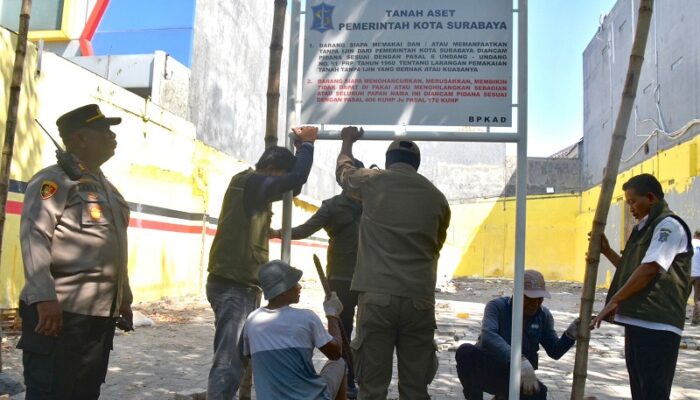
(485, 367)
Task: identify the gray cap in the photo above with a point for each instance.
(534, 285)
(276, 277)
(404, 145)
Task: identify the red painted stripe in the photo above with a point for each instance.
(309, 243)
(15, 207)
(164, 226)
(179, 228)
(91, 26)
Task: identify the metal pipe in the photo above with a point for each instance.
(292, 77)
(432, 136)
(516, 333)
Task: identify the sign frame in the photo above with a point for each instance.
(449, 63)
(485, 136)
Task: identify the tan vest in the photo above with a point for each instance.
(664, 299)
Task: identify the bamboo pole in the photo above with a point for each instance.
(629, 94)
(271, 122)
(273, 78)
(11, 124)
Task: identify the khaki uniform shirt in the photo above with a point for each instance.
(74, 246)
(403, 227)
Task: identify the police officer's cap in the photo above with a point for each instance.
(86, 116)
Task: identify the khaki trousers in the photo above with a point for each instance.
(385, 322)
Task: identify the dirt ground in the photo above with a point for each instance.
(171, 359)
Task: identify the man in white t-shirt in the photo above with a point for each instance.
(695, 277)
(280, 340)
(650, 289)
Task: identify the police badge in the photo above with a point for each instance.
(323, 17)
(48, 189)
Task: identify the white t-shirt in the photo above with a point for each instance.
(695, 272)
(281, 343)
(668, 240)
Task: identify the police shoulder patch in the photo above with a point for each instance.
(48, 189)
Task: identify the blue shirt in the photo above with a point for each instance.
(281, 343)
(537, 330)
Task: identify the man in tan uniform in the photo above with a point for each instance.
(74, 248)
(402, 230)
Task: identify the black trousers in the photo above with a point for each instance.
(71, 366)
(347, 317)
(651, 357)
(480, 373)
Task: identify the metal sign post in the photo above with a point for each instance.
(516, 333)
(347, 91)
(294, 39)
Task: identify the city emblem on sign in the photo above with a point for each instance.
(323, 17)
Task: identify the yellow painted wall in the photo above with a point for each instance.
(11, 274)
(482, 233)
(485, 231)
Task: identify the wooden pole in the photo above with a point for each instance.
(629, 94)
(11, 124)
(347, 353)
(273, 77)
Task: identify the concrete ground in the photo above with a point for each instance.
(171, 359)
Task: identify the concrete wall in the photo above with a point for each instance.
(669, 88)
(229, 75)
(174, 183)
(228, 103)
(161, 163)
(171, 84)
(157, 77)
(550, 176)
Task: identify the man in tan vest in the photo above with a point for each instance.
(403, 227)
(240, 247)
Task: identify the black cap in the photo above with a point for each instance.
(89, 115)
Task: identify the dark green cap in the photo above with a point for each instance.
(405, 146)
